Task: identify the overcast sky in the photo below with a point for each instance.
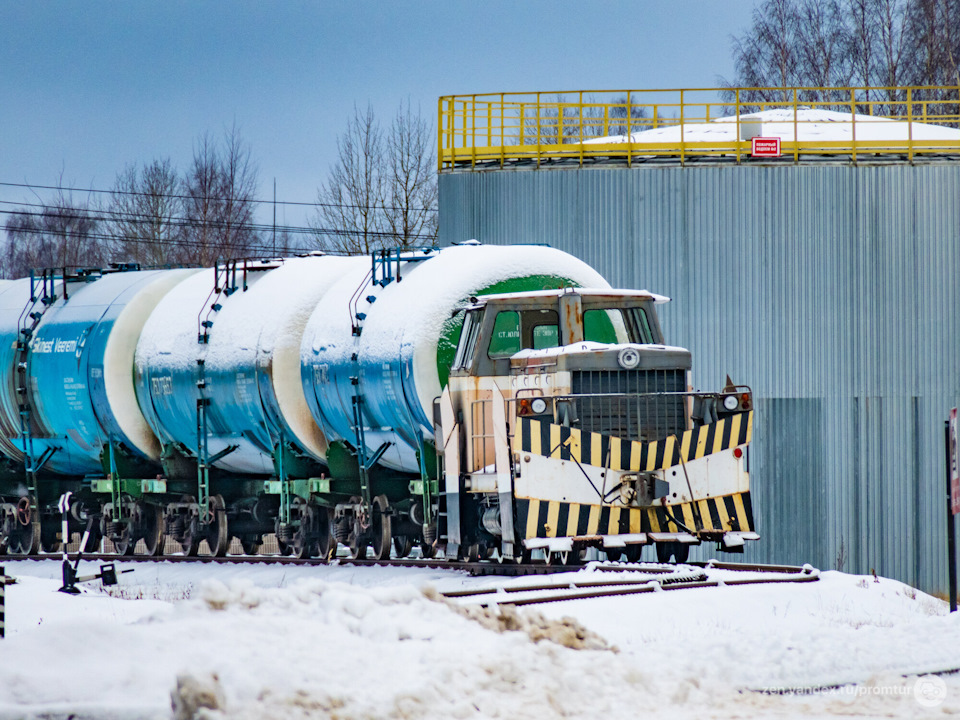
(87, 87)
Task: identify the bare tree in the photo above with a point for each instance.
(410, 184)
(823, 48)
(145, 214)
(883, 44)
(767, 55)
(63, 233)
(219, 192)
(350, 216)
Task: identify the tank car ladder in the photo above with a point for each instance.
(42, 291)
(205, 461)
(386, 268)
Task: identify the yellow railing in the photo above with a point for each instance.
(630, 126)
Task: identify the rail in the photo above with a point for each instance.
(578, 127)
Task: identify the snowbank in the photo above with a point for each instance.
(317, 642)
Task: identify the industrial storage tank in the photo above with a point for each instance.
(231, 335)
(82, 341)
(396, 333)
(825, 275)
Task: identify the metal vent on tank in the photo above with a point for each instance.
(629, 404)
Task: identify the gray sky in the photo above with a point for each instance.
(87, 87)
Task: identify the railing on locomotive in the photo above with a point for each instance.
(540, 126)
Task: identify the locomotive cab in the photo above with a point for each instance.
(605, 443)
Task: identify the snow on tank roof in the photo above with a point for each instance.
(811, 125)
(590, 292)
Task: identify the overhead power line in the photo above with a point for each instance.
(196, 225)
(31, 186)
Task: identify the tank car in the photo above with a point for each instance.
(476, 400)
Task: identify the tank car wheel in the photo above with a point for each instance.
(190, 542)
(49, 542)
(250, 544)
(326, 543)
(93, 540)
(358, 546)
(217, 536)
(150, 528)
(123, 544)
(402, 546)
(380, 526)
(306, 543)
(25, 538)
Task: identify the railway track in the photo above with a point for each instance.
(803, 573)
(653, 579)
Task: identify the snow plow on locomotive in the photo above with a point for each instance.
(474, 400)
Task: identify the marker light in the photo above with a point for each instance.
(730, 402)
(539, 406)
(628, 358)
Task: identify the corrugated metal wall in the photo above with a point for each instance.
(832, 290)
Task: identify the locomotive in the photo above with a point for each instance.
(477, 401)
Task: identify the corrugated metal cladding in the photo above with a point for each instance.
(834, 291)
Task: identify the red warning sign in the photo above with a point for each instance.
(765, 147)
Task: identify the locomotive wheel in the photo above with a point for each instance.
(380, 526)
(679, 551)
(217, 536)
(614, 554)
(427, 551)
(150, 528)
(402, 545)
(634, 552)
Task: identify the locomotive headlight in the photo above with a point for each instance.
(539, 406)
(628, 358)
(730, 402)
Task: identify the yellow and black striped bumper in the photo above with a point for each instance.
(589, 448)
(551, 518)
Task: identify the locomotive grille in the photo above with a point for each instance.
(629, 403)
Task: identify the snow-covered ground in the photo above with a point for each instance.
(348, 642)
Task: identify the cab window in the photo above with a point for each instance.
(506, 335)
(515, 331)
(468, 338)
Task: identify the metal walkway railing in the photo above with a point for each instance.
(849, 124)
